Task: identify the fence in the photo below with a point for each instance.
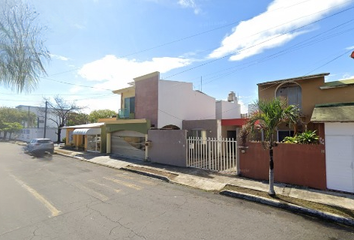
(212, 154)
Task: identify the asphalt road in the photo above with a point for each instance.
(57, 197)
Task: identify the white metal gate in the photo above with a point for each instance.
(212, 154)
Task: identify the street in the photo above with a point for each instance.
(58, 197)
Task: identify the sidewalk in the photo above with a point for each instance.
(229, 185)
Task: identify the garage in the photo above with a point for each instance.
(128, 144)
(340, 156)
(338, 122)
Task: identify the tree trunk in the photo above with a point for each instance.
(59, 135)
(271, 172)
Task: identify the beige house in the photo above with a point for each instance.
(327, 107)
(307, 92)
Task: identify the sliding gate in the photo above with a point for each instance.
(212, 154)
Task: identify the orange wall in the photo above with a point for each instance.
(311, 94)
(296, 164)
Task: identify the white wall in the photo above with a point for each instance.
(178, 101)
(27, 134)
(39, 111)
(339, 128)
(228, 110)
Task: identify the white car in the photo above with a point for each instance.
(40, 145)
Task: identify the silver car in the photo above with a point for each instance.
(40, 145)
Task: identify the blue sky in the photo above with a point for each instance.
(220, 46)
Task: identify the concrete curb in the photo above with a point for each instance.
(290, 207)
(166, 179)
(235, 194)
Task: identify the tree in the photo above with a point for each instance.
(11, 120)
(104, 113)
(22, 49)
(13, 127)
(60, 109)
(77, 119)
(269, 116)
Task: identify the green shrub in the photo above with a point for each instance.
(308, 137)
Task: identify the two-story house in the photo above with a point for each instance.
(151, 102)
(327, 107)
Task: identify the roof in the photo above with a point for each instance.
(90, 125)
(119, 91)
(146, 76)
(335, 112)
(337, 84)
(295, 79)
(87, 131)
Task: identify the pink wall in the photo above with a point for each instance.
(146, 99)
(298, 164)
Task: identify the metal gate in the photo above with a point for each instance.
(212, 154)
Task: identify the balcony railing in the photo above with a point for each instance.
(125, 114)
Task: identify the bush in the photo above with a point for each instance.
(63, 140)
(308, 137)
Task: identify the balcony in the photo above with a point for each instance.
(125, 114)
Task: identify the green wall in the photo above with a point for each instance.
(109, 128)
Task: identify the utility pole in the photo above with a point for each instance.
(45, 119)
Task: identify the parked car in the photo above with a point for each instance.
(40, 145)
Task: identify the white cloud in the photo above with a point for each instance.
(275, 27)
(95, 102)
(62, 58)
(190, 4)
(115, 73)
(347, 76)
(350, 48)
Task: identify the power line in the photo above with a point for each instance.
(79, 85)
(332, 60)
(201, 33)
(252, 46)
(194, 35)
(305, 43)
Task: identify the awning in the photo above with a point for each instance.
(87, 131)
(333, 113)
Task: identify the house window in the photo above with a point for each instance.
(284, 133)
(291, 92)
(129, 104)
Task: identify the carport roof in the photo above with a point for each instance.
(90, 125)
(337, 112)
(87, 131)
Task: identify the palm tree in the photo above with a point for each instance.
(269, 116)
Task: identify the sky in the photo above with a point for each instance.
(98, 46)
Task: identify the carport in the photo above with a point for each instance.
(85, 137)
